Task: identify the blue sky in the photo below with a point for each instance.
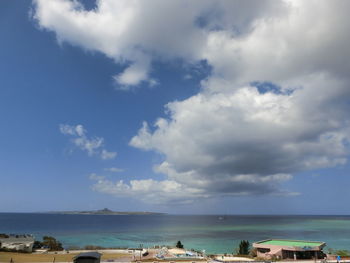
(233, 115)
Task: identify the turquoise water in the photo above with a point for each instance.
(215, 234)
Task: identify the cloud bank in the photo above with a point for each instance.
(134, 33)
(274, 104)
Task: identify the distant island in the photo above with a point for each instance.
(104, 211)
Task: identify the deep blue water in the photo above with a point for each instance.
(209, 232)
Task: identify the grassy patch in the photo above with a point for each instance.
(20, 257)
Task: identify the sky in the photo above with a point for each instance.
(184, 107)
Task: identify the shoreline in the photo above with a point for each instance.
(115, 255)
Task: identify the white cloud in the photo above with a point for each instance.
(231, 138)
(134, 74)
(105, 155)
(114, 170)
(93, 146)
(245, 142)
(242, 40)
(149, 190)
(94, 176)
(134, 32)
(285, 47)
(72, 130)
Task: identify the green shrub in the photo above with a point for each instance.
(244, 247)
(179, 244)
(52, 244)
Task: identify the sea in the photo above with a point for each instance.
(212, 233)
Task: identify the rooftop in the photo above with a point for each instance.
(291, 243)
(16, 238)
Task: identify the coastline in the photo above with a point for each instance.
(117, 255)
(199, 232)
